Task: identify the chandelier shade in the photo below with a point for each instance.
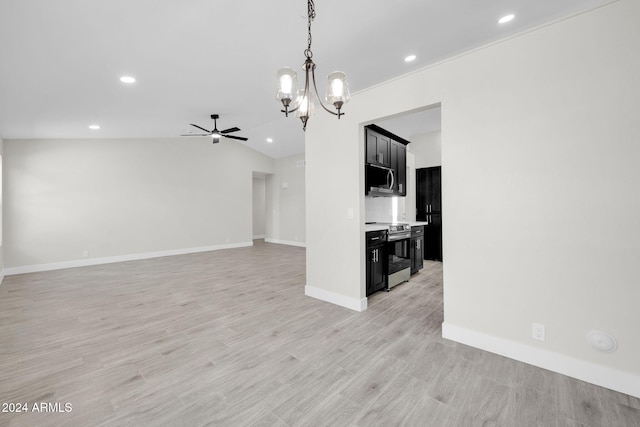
(337, 89)
(287, 86)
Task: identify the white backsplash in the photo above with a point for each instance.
(384, 209)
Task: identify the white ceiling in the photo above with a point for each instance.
(60, 61)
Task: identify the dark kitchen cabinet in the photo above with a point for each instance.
(428, 192)
(433, 238)
(429, 209)
(378, 149)
(386, 163)
(376, 261)
(417, 248)
(399, 165)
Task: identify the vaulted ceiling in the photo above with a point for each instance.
(60, 61)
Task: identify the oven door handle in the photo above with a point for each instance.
(399, 236)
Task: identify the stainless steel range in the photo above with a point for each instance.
(398, 250)
(399, 254)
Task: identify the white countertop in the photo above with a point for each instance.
(375, 227)
(378, 227)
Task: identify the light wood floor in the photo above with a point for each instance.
(228, 338)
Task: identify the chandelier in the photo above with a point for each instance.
(299, 101)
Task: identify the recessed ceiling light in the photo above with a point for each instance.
(409, 58)
(269, 140)
(94, 127)
(506, 18)
(127, 79)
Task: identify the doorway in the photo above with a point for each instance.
(259, 203)
(424, 171)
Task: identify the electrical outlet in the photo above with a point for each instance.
(537, 331)
(85, 253)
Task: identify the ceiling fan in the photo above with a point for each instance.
(215, 133)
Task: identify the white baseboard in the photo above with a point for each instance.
(259, 236)
(118, 258)
(604, 376)
(337, 299)
(286, 242)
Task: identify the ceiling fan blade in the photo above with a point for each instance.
(201, 128)
(233, 129)
(240, 138)
(195, 134)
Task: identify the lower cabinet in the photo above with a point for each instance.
(433, 238)
(376, 261)
(417, 248)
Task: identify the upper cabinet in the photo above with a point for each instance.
(378, 149)
(399, 165)
(385, 163)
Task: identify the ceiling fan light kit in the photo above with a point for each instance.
(300, 101)
(216, 134)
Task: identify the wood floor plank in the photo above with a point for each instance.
(229, 338)
(529, 407)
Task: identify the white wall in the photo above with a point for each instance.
(259, 206)
(540, 147)
(1, 209)
(123, 197)
(410, 199)
(427, 149)
(286, 201)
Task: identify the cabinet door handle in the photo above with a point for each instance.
(417, 244)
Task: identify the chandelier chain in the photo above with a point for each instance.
(311, 14)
